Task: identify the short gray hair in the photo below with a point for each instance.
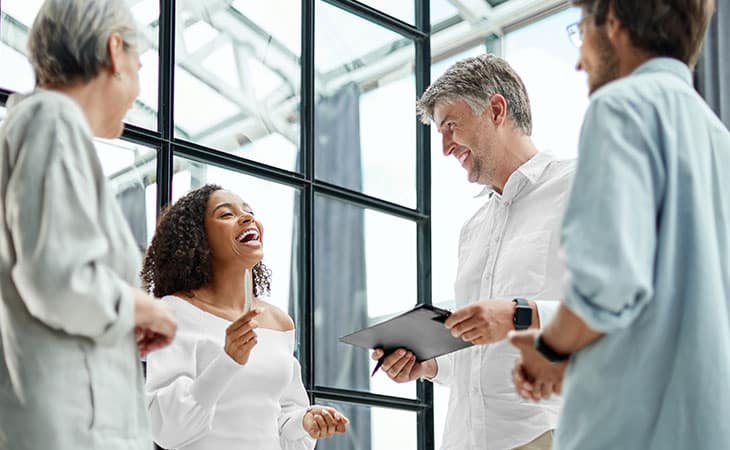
(68, 40)
(475, 81)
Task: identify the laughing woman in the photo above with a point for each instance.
(229, 380)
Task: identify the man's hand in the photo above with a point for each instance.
(535, 377)
(482, 322)
(154, 325)
(322, 422)
(401, 365)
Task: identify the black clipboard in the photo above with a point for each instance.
(420, 330)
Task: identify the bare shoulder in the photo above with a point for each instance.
(280, 320)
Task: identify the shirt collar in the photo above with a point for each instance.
(663, 64)
(531, 171)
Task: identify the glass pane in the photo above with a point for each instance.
(403, 9)
(237, 77)
(365, 272)
(442, 10)
(15, 21)
(365, 123)
(17, 74)
(144, 112)
(131, 171)
(274, 204)
(372, 428)
(545, 59)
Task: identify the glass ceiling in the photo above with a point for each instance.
(236, 58)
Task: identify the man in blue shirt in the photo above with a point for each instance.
(645, 322)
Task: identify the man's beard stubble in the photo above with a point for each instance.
(607, 70)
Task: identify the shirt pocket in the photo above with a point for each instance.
(522, 265)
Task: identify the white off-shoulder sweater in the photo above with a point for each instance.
(199, 398)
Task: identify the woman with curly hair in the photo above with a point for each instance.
(229, 380)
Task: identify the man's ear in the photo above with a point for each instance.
(498, 109)
(613, 24)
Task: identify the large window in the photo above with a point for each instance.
(305, 108)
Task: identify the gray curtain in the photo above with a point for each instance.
(132, 201)
(340, 300)
(712, 77)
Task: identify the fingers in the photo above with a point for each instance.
(154, 315)
(399, 365)
(240, 349)
(330, 422)
(468, 325)
(324, 421)
(394, 364)
(377, 354)
(151, 342)
(243, 320)
(320, 425)
(402, 372)
(476, 336)
(522, 339)
(459, 316)
(520, 379)
(244, 330)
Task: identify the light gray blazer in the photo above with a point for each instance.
(70, 376)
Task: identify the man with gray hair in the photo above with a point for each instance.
(508, 249)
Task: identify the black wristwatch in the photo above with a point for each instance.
(548, 352)
(523, 314)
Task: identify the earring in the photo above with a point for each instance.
(118, 75)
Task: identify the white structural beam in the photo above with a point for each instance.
(473, 11)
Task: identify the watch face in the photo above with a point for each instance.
(523, 317)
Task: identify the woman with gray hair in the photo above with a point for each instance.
(72, 324)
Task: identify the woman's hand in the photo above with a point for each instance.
(323, 422)
(154, 324)
(241, 336)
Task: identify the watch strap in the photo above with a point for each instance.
(548, 352)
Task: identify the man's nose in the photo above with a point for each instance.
(446, 143)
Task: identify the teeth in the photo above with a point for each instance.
(247, 233)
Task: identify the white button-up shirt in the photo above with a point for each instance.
(508, 249)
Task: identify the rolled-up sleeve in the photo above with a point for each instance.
(52, 213)
(609, 229)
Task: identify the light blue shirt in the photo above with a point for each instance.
(647, 242)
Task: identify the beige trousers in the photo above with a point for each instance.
(543, 442)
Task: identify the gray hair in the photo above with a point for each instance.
(475, 81)
(68, 40)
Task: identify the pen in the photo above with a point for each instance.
(378, 364)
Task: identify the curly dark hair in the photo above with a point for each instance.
(178, 259)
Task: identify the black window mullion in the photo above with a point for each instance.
(307, 280)
(424, 390)
(165, 99)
